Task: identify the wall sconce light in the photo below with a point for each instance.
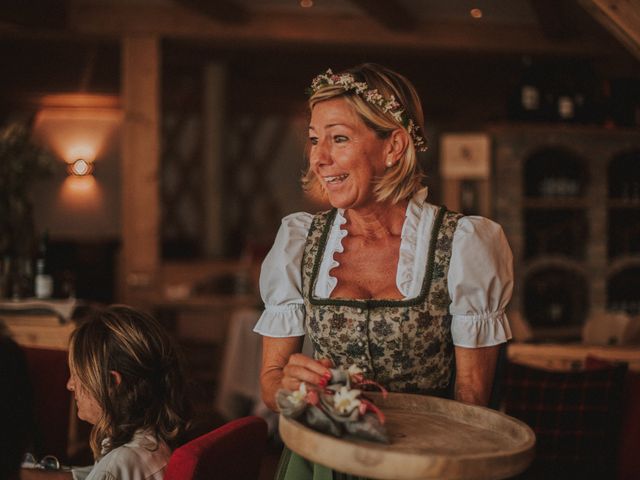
(78, 128)
(80, 168)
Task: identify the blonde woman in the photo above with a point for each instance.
(409, 292)
(127, 380)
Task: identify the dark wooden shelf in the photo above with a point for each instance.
(554, 203)
(550, 177)
(551, 260)
(623, 204)
(544, 128)
(622, 261)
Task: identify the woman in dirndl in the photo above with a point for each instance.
(409, 292)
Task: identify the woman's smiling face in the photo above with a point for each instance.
(345, 155)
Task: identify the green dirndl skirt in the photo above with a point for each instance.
(293, 467)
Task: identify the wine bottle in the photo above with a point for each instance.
(565, 101)
(529, 94)
(43, 282)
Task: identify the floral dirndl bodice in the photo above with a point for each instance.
(405, 345)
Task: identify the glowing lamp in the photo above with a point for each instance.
(80, 168)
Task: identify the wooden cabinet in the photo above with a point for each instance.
(39, 323)
(568, 199)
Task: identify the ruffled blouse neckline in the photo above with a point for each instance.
(412, 256)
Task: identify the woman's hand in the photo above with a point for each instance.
(301, 368)
(283, 366)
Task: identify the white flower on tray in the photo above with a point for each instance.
(298, 396)
(345, 400)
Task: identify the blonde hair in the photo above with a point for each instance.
(150, 394)
(406, 177)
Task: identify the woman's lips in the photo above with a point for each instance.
(335, 179)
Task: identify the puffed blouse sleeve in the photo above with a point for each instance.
(281, 280)
(480, 283)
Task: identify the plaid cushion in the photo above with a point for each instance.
(575, 415)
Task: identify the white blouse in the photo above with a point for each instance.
(143, 458)
(480, 278)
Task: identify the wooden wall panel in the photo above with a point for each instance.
(140, 160)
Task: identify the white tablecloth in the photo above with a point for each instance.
(240, 376)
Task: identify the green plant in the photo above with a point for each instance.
(21, 162)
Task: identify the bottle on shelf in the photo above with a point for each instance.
(527, 97)
(566, 108)
(606, 106)
(43, 282)
(22, 278)
(581, 83)
(565, 100)
(583, 103)
(5, 276)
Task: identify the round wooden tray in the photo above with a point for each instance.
(430, 438)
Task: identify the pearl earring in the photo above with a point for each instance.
(389, 163)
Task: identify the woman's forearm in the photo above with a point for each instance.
(270, 382)
(275, 355)
(475, 368)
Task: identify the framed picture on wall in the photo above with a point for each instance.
(465, 156)
(465, 167)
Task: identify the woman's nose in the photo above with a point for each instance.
(70, 384)
(320, 153)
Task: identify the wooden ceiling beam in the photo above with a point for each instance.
(620, 17)
(321, 31)
(225, 11)
(389, 13)
(47, 14)
(555, 18)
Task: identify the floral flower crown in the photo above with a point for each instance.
(347, 82)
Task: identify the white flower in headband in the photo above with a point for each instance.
(387, 105)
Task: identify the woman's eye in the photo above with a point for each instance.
(313, 140)
(340, 138)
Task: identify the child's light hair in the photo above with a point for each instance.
(151, 392)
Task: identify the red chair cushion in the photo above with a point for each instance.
(49, 372)
(16, 410)
(232, 451)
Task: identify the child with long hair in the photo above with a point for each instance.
(127, 379)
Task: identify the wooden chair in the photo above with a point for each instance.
(233, 450)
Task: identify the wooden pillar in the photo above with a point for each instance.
(214, 134)
(597, 256)
(140, 256)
